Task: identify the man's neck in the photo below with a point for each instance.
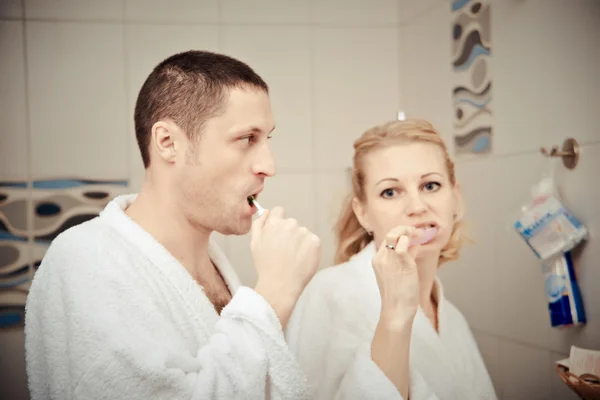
(157, 214)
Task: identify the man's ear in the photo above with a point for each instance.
(164, 141)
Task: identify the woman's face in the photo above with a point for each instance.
(408, 184)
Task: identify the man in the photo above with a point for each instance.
(138, 303)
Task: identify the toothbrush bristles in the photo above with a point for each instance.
(260, 210)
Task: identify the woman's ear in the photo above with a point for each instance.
(361, 215)
(459, 204)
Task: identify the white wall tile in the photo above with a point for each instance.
(332, 190)
(517, 65)
(354, 90)
(13, 140)
(11, 8)
(172, 11)
(136, 166)
(146, 46)
(265, 12)
(525, 372)
(402, 68)
(220, 240)
(571, 61)
(521, 307)
(13, 379)
(425, 59)
(240, 257)
(410, 10)
(355, 12)
(296, 194)
(74, 9)
(77, 99)
(473, 275)
(281, 56)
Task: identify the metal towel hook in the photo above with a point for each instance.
(569, 153)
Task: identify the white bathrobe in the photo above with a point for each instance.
(332, 328)
(113, 315)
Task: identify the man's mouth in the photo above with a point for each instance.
(251, 198)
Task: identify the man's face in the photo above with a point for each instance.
(227, 164)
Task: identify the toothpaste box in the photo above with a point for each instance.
(549, 228)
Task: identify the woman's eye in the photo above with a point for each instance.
(431, 186)
(387, 193)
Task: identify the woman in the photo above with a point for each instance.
(377, 325)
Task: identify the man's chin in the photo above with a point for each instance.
(241, 229)
(241, 232)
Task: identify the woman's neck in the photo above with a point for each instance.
(427, 269)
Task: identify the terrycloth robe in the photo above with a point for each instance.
(332, 327)
(113, 315)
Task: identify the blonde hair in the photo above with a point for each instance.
(351, 236)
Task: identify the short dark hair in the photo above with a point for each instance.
(188, 88)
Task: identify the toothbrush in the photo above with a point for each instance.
(426, 236)
(252, 200)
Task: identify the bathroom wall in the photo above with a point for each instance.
(544, 60)
(70, 72)
(70, 75)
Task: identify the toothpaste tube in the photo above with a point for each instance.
(564, 298)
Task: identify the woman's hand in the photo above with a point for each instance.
(397, 277)
(398, 281)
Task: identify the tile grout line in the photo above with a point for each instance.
(225, 242)
(312, 68)
(502, 338)
(29, 208)
(127, 85)
(219, 22)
